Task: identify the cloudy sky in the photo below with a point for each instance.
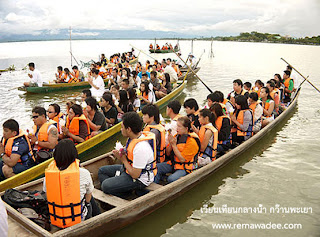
(298, 18)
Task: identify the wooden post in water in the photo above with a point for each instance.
(211, 52)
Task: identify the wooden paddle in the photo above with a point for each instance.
(193, 72)
(305, 78)
(142, 52)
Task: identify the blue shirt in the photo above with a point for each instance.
(20, 147)
(140, 74)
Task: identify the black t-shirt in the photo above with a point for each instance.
(112, 113)
(195, 119)
(99, 120)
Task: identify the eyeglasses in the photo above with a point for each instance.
(35, 116)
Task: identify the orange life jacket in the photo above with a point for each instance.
(225, 101)
(253, 106)
(63, 194)
(43, 133)
(151, 138)
(287, 82)
(218, 123)
(239, 116)
(267, 106)
(212, 149)
(57, 120)
(161, 150)
(188, 166)
(150, 46)
(73, 126)
(158, 47)
(9, 143)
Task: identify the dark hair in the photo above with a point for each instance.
(154, 73)
(126, 81)
(123, 97)
(69, 103)
(271, 83)
(169, 59)
(107, 96)
(146, 85)
(95, 71)
(279, 77)
(56, 108)
(153, 111)
(242, 101)
(289, 68)
(167, 77)
(77, 109)
(98, 64)
(75, 67)
(239, 82)
(207, 113)
(59, 68)
(191, 103)
(87, 92)
(132, 120)
(39, 110)
(66, 70)
(248, 84)
(12, 125)
(92, 103)
(31, 65)
(132, 95)
(254, 96)
(287, 72)
(217, 109)
(185, 122)
(175, 106)
(268, 92)
(116, 86)
(144, 75)
(65, 153)
(259, 82)
(216, 96)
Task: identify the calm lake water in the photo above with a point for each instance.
(284, 169)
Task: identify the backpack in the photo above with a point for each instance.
(35, 200)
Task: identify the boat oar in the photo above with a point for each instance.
(305, 78)
(193, 72)
(199, 59)
(14, 88)
(142, 52)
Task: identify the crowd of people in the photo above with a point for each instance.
(164, 47)
(155, 149)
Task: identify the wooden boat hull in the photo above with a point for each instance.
(127, 212)
(83, 148)
(190, 74)
(58, 87)
(163, 51)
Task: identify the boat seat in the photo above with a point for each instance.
(153, 186)
(107, 198)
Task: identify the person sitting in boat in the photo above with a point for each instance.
(257, 110)
(15, 150)
(127, 65)
(176, 68)
(86, 93)
(109, 109)
(158, 47)
(124, 105)
(143, 71)
(208, 136)
(67, 77)
(68, 106)
(59, 74)
(96, 83)
(56, 115)
(173, 109)
(146, 96)
(77, 127)
(35, 77)
(274, 93)
(77, 75)
(114, 78)
(154, 82)
(96, 119)
(218, 97)
(192, 60)
(67, 183)
(192, 110)
(102, 71)
(45, 133)
(134, 100)
(165, 88)
(237, 90)
(172, 73)
(183, 150)
(223, 125)
(288, 83)
(247, 86)
(242, 120)
(168, 61)
(151, 117)
(150, 46)
(103, 60)
(139, 160)
(258, 85)
(267, 105)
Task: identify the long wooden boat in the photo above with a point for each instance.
(58, 87)
(190, 74)
(163, 51)
(83, 148)
(124, 212)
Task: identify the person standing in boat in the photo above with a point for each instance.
(242, 121)
(288, 83)
(96, 83)
(237, 90)
(45, 133)
(15, 150)
(35, 77)
(183, 150)
(139, 160)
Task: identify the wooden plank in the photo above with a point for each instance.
(153, 187)
(107, 198)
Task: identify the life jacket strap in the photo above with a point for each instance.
(71, 205)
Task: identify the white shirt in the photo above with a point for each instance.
(137, 103)
(229, 108)
(3, 219)
(173, 126)
(172, 73)
(36, 77)
(143, 155)
(99, 83)
(258, 112)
